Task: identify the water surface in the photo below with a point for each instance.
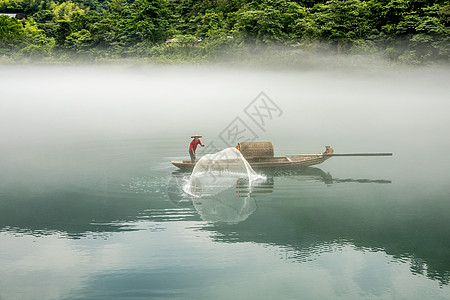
(91, 208)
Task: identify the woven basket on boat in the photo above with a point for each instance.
(257, 150)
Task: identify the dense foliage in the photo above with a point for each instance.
(412, 31)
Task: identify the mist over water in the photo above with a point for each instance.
(86, 182)
(51, 103)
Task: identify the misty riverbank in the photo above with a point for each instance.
(277, 60)
(410, 32)
(274, 57)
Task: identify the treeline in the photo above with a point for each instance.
(410, 31)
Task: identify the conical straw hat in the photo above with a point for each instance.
(196, 136)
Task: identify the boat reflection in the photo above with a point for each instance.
(230, 199)
(318, 175)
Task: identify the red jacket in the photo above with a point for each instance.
(193, 145)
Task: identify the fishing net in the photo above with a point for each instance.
(218, 172)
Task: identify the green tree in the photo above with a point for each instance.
(79, 41)
(338, 22)
(35, 43)
(23, 39)
(10, 29)
(67, 10)
(262, 24)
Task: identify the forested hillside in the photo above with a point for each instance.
(404, 31)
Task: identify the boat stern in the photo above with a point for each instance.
(183, 164)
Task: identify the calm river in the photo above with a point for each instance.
(91, 208)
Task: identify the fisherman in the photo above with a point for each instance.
(193, 146)
(238, 147)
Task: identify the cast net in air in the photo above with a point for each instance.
(220, 171)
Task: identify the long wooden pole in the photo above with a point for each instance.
(358, 154)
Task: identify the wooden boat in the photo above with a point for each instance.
(260, 155)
